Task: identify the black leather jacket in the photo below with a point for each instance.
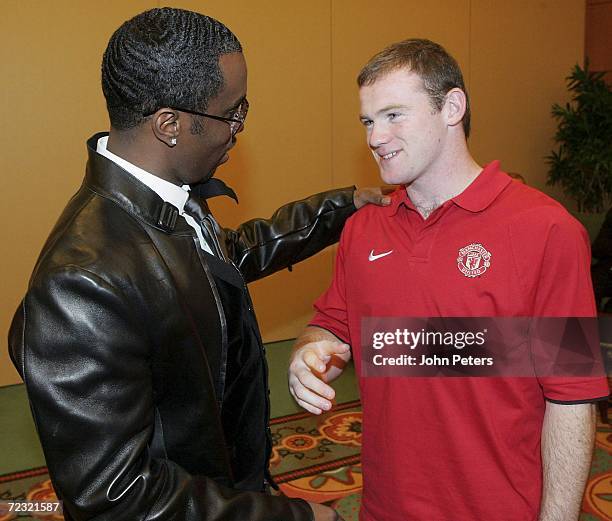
(125, 343)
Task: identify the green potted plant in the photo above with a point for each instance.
(582, 163)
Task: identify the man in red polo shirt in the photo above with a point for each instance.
(458, 240)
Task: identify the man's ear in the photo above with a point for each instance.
(455, 106)
(166, 126)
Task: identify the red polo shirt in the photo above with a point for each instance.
(461, 449)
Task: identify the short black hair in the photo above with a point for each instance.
(163, 58)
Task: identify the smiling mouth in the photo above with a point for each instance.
(389, 156)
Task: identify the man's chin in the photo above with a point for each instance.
(224, 159)
(212, 172)
(390, 178)
(206, 178)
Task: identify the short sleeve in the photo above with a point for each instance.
(562, 288)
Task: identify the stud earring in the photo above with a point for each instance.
(173, 141)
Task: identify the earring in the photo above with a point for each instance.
(173, 141)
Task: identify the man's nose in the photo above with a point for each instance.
(379, 135)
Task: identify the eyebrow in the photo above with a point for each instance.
(385, 109)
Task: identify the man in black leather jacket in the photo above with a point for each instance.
(136, 339)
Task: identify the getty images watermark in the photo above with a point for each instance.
(483, 346)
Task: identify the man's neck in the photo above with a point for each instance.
(130, 145)
(443, 181)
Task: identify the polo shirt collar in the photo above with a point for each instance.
(399, 198)
(483, 190)
(478, 195)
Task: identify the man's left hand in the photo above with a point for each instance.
(378, 196)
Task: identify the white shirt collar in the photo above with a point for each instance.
(169, 192)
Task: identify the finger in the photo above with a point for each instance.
(308, 407)
(363, 196)
(314, 361)
(313, 399)
(326, 348)
(293, 386)
(319, 354)
(375, 196)
(304, 381)
(379, 199)
(368, 196)
(314, 383)
(305, 398)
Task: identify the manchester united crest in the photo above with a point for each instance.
(473, 260)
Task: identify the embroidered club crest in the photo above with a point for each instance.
(473, 260)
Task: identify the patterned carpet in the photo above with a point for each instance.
(318, 458)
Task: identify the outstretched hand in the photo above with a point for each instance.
(378, 196)
(312, 366)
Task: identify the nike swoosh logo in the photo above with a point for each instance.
(373, 257)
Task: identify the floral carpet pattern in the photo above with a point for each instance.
(318, 458)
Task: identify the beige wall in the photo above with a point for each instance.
(302, 134)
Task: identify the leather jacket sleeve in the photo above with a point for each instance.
(295, 232)
(85, 359)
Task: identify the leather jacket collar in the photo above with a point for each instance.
(111, 181)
